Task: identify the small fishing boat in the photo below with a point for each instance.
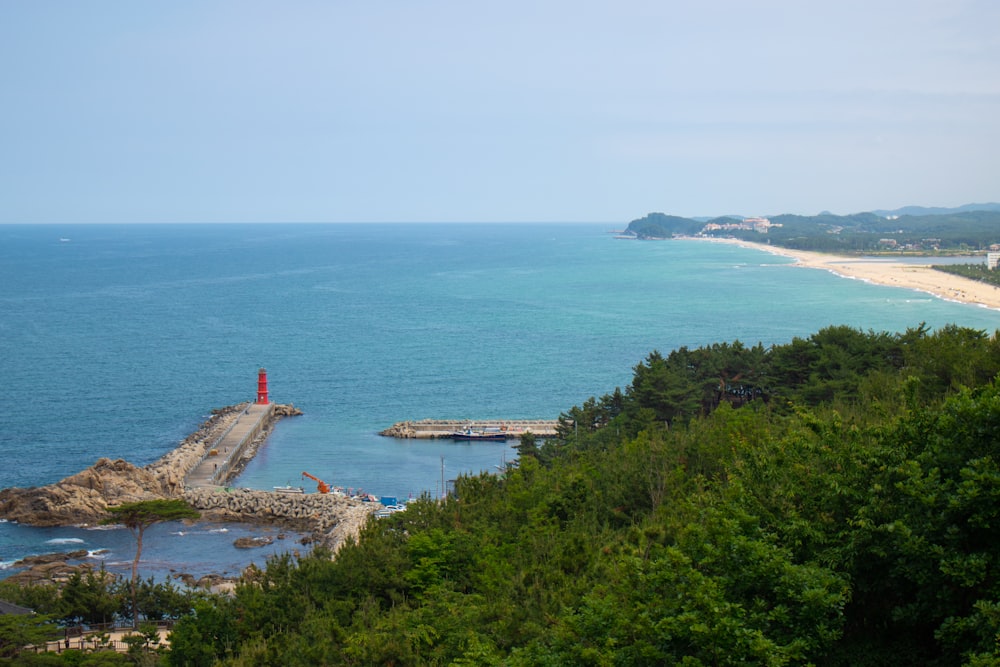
(288, 488)
(488, 434)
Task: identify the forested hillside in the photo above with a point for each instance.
(953, 231)
(834, 501)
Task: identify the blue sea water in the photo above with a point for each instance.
(118, 340)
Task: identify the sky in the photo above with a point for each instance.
(520, 111)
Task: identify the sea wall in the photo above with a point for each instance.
(236, 457)
(443, 428)
(173, 467)
(330, 518)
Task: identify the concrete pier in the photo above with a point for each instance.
(222, 457)
(444, 428)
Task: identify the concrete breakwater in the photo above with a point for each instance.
(229, 452)
(445, 428)
(173, 467)
(330, 518)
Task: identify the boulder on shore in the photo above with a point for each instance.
(252, 542)
(288, 410)
(52, 572)
(51, 558)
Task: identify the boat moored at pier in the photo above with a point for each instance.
(489, 435)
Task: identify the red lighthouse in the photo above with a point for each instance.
(262, 387)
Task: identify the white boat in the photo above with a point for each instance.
(288, 488)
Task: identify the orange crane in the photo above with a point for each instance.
(321, 486)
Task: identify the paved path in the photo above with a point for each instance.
(204, 473)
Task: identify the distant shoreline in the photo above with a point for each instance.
(890, 273)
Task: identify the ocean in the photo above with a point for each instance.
(118, 340)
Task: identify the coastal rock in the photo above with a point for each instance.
(210, 580)
(286, 411)
(81, 498)
(186, 579)
(55, 572)
(252, 542)
(45, 559)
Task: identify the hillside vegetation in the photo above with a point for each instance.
(833, 501)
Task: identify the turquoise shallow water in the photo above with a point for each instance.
(119, 340)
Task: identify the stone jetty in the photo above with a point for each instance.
(444, 428)
(83, 498)
(330, 518)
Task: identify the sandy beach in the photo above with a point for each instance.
(887, 272)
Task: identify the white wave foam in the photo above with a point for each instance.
(64, 540)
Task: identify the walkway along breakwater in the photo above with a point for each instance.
(510, 429)
(197, 471)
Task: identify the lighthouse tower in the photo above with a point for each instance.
(262, 387)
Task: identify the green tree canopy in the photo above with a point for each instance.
(139, 516)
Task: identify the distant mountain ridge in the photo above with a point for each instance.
(937, 210)
(882, 212)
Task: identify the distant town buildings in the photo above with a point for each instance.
(759, 225)
(992, 259)
(923, 246)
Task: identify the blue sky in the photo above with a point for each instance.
(385, 110)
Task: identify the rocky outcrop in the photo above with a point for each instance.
(252, 542)
(402, 430)
(82, 498)
(286, 411)
(50, 568)
(45, 559)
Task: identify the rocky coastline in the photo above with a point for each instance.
(83, 498)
